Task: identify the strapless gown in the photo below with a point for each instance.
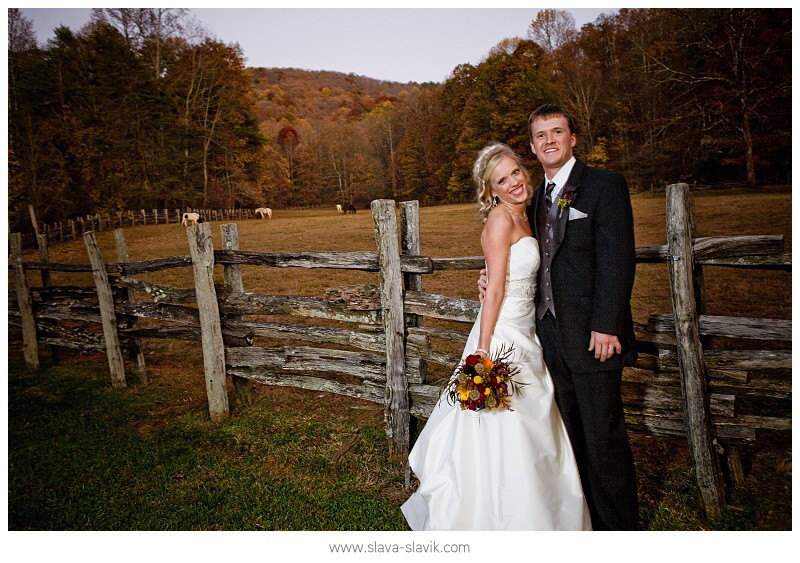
(501, 470)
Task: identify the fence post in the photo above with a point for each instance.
(144, 217)
(410, 245)
(108, 315)
(696, 413)
(235, 283)
(30, 345)
(44, 257)
(202, 251)
(166, 216)
(396, 409)
(134, 348)
(34, 222)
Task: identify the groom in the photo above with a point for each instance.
(583, 221)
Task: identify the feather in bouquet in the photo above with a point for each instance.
(483, 383)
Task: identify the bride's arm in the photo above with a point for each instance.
(496, 244)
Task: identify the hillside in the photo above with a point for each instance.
(292, 93)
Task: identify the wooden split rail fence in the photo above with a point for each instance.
(384, 336)
(71, 229)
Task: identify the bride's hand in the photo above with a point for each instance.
(482, 285)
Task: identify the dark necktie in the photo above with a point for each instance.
(548, 195)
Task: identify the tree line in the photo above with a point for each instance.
(138, 110)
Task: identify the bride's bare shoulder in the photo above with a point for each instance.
(498, 227)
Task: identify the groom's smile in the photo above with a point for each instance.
(552, 142)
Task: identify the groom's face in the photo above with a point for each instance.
(552, 142)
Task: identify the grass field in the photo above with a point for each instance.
(83, 455)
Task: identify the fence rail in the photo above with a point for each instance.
(383, 344)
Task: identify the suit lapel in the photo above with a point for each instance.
(533, 212)
(574, 180)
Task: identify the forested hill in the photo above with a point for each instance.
(293, 93)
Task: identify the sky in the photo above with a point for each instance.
(402, 45)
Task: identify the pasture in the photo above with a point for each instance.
(86, 456)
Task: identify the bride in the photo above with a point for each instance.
(501, 469)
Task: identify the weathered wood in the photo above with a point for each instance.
(303, 359)
(160, 311)
(30, 345)
(159, 293)
(57, 267)
(34, 222)
(105, 299)
(410, 245)
(442, 307)
(774, 423)
(735, 468)
(44, 257)
(730, 327)
(202, 252)
(660, 426)
(133, 268)
(234, 283)
(364, 261)
(446, 334)
(365, 297)
(396, 409)
(258, 304)
(756, 387)
(746, 360)
(700, 431)
(49, 294)
(323, 335)
(79, 311)
(134, 348)
(466, 263)
(780, 262)
(718, 248)
(656, 397)
(732, 246)
(262, 375)
(57, 334)
(231, 337)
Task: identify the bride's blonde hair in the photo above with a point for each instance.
(488, 159)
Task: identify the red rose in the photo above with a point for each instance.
(472, 359)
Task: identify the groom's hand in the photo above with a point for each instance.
(604, 345)
(482, 284)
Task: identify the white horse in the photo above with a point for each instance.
(339, 208)
(264, 211)
(193, 218)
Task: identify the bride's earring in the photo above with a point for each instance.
(495, 201)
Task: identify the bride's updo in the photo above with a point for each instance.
(487, 161)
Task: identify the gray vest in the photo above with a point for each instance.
(547, 220)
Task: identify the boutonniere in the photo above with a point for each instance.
(566, 199)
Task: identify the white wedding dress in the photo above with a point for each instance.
(501, 470)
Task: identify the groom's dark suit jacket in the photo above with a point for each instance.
(593, 266)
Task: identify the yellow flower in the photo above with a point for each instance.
(464, 395)
(499, 379)
(487, 391)
(477, 379)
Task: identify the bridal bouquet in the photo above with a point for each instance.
(483, 383)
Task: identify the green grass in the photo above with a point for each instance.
(86, 456)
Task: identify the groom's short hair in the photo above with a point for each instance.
(550, 110)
